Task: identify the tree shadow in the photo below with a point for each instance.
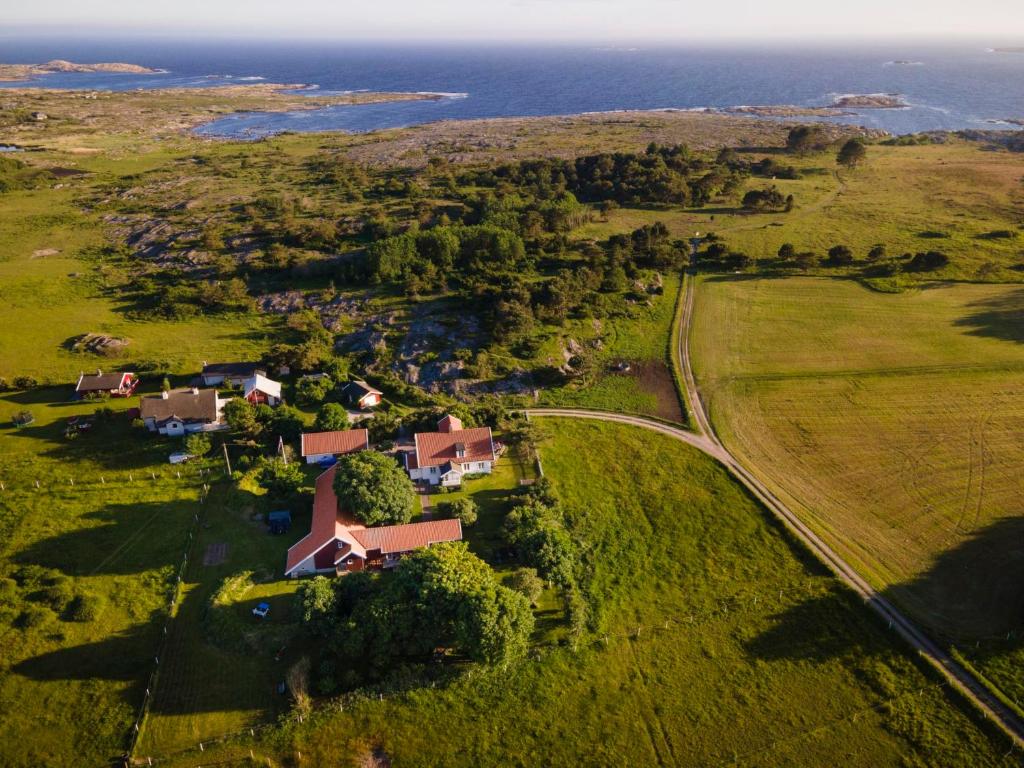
(998, 317)
(125, 656)
(124, 539)
(972, 592)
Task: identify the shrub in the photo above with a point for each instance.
(463, 509)
(528, 583)
(34, 616)
(85, 607)
(197, 444)
(25, 382)
(840, 255)
(927, 261)
(281, 480)
(312, 391)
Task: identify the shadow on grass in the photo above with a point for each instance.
(972, 592)
(124, 656)
(999, 317)
(123, 539)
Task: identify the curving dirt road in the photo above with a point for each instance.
(704, 439)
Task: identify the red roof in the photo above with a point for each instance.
(334, 527)
(436, 448)
(336, 443)
(390, 539)
(329, 524)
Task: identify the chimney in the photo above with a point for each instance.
(99, 372)
(195, 390)
(164, 394)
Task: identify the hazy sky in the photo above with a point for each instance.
(538, 19)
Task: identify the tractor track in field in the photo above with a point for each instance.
(704, 439)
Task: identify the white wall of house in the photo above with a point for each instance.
(316, 458)
(433, 475)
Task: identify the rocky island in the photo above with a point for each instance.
(869, 101)
(9, 72)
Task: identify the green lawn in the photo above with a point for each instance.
(704, 616)
(892, 424)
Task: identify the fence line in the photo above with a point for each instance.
(175, 593)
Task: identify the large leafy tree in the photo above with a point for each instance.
(851, 154)
(374, 488)
(441, 597)
(331, 418)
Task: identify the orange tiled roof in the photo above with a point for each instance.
(331, 525)
(436, 448)
(405, 538)
(337, 443)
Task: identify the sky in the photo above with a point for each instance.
(534, 20)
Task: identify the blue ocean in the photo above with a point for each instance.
(951, 86)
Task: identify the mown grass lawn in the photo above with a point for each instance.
(893, 425)
(713, 641)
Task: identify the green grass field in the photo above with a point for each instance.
(642, 341)
(51, 298)
(897, 198)
(893, 425)
(706, 616)
(108, 523)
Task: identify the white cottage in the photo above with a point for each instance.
(183, 411)
(443, 457)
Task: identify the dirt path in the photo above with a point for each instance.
(703, 438)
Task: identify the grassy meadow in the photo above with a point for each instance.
(704, 615)
(87, 568)
(893, 424)
(953, 197)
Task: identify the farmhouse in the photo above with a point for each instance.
(361, 395)
(443, 457)
(183, 411)
(337, 543)
(119, 384)
(322, 447)
(260, 390)
(235, 374)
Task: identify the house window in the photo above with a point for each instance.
(433, 470)
(480, 465)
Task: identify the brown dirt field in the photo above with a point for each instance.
(655, 379)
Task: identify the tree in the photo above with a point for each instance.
(840, 255)
(877, 252)
(851, 154)
(769, 199)
(197, 444)
(803, 138)
(456, 600)
(316, 601)
(331, 418)
(311, 391)
(241, 416)
(281, 480)
(463, 509)
(374, 488)
(925, 262)
(526, 582)
(787, 251)
(287, 422)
